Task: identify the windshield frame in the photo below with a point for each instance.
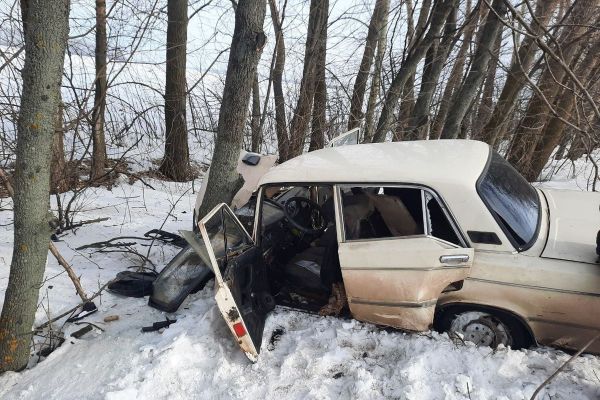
(499, 220)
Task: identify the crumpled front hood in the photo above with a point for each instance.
(574, 223)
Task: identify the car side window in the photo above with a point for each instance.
(438, 223)
(377, 212)
(381, 212)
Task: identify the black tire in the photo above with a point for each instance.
(521, 338)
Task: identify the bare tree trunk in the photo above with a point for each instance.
(255, 119)
(360, 83)
(456, 74)
(58, 174)
(536, 115)
(283, 142)
(46, 24)
(375, 81)
(494, 130)
(176, 162)
(98, 137)
(439, 12)
(319, 119)
(434, 63)
(465, 95)
(246, 47)
(486, 104)
(407, 100)
(302, 113)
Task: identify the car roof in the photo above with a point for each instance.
(425, 162)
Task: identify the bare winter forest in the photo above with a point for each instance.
(96, 93)
(143, 81)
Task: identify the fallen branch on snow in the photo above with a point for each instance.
(574, 356)
(72, 310)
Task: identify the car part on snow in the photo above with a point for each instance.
(79, 333)
(275, 336)
(337, 300)
(184, 274)
(86, 309)
(166, 237)
(156, 326)
(133, 284)
(154, 234)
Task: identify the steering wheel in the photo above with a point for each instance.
(299, 210)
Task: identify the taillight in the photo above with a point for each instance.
(239, 329)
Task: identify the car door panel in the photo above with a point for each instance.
(239, 299)
(241, 288)
(397, 282)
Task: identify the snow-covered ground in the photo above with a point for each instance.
(316, 357)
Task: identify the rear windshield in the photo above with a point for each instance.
(512, 200)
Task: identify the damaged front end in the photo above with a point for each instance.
(188, 272)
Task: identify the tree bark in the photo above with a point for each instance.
(46, 33)
(493, 132)
(246, 47)
(176, 162)
(319, 118)
(456, 74)
(58, 174)
(439, 12)
(98, 137)
(281, 131)
(255, 119)
(302, 112)
(407, 100)
(484, 108)
(434, 63)
(465, 95)
(376, 25)
(376, 81)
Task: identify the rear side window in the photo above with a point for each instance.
(374, 212)
(512, 200)
(439, 225)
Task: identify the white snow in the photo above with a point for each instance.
(316, 357)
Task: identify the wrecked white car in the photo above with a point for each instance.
(429, 234)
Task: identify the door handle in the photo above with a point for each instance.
(454, 259)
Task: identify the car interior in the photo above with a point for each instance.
(299, 242)
(298, 232)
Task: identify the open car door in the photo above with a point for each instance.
(346, 138)
(241, 286)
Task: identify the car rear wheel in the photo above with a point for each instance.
(484, 328)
